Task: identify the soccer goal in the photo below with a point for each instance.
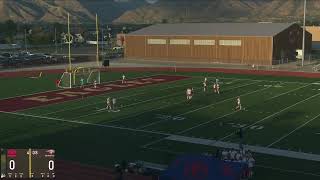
(65, 80)
(94, 76)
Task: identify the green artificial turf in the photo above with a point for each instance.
(280, 112)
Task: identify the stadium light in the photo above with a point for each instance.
(304, 31)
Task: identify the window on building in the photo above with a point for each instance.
(180, 41)
(204, 42)
(157, 41)
(230, 42)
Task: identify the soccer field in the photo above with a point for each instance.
(280, 119)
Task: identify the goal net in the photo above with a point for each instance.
(80, 75)
(66, 80)
(94, 76)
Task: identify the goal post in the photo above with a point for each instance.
(65, 80)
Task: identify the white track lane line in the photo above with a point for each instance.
(31, 94)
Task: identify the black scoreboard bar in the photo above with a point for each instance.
(27, 163)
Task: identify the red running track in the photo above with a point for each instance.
(58, 96)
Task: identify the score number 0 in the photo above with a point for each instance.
(12, 165)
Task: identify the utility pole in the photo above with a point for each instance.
(102, 42)
(25, 40)
(304, 31)
(55, 39)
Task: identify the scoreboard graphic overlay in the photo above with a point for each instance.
(27, 163)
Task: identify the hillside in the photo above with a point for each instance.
(81, 11)
(221, 11)
(141, 12)
(43, 11)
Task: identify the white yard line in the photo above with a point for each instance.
(207, 122)
(272, 115)
(219, 77)
(124, 97)
(83, 123)
(137, 114)
(203, 107)
(293, 131)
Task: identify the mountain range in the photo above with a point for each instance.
(157, 11)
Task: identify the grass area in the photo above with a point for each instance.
(280, 112)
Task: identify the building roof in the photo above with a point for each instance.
(315, 31)
(222, 29)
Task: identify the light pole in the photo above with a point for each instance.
(25, 40)
(304, 31)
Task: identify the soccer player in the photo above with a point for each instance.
(123, 79)
(81, 82)
(189, 94)
(217, 81)
(57, 82)
(95, 84)
(214, 87)
(205, 84)
(108, 104)
(238, 106)
(218, 88)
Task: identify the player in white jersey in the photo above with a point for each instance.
(204, 86)
(218, 88)
(238, 106)
(189, 93)
(95, 84)
(123, 79)
(214, 87)
(108, 104)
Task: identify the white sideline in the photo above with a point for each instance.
(186, 130)
(162, 167)
(296, 129)
(84, 123)
(246, 127)
(257, 149)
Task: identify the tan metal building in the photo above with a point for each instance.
(238, 43)
(315, 31)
